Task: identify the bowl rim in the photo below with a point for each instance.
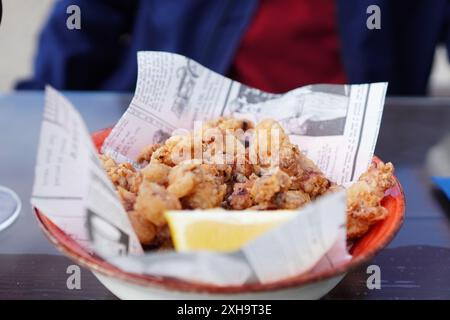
(74, 251)
(97, 264)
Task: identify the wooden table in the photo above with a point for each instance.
(416, 265)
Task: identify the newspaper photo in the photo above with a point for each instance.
(335, 125)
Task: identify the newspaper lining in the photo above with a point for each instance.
(335, 125)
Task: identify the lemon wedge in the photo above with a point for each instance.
(221, 230)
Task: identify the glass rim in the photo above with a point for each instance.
(13, 216)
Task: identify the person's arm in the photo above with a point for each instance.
(445, 38)
(81, 59)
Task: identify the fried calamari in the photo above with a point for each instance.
(364, 197)
(233, 164)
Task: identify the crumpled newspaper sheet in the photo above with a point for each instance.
(335, 125)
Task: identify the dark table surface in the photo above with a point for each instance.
(415, 265)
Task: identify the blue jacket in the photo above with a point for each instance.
(102, 55)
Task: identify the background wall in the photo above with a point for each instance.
(22, 20)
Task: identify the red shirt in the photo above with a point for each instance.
(290, 43)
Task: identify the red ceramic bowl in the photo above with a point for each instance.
(362, 251)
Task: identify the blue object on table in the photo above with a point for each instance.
(444, 184)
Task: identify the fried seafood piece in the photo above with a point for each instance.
(272, 192)
(333, 188)
(214, 147)
(364, 199)
(241, 198)
(291, 199)
(217, 142)
(174, 150)
(233, 154)
(198, 185)
(271, 147)
(266, 187)
(205, 144)
(163, 240)
(260, 192)
(146, 153)
(126, 197)
(266, 142)
(156, 172)
(148, 234)
(145, 230)
(245, 168)
(235, 132)
(185, 147)
(122, 175)
(308, 177)
(228, 124)
(151, 202)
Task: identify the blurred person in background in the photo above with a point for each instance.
(273, 45)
